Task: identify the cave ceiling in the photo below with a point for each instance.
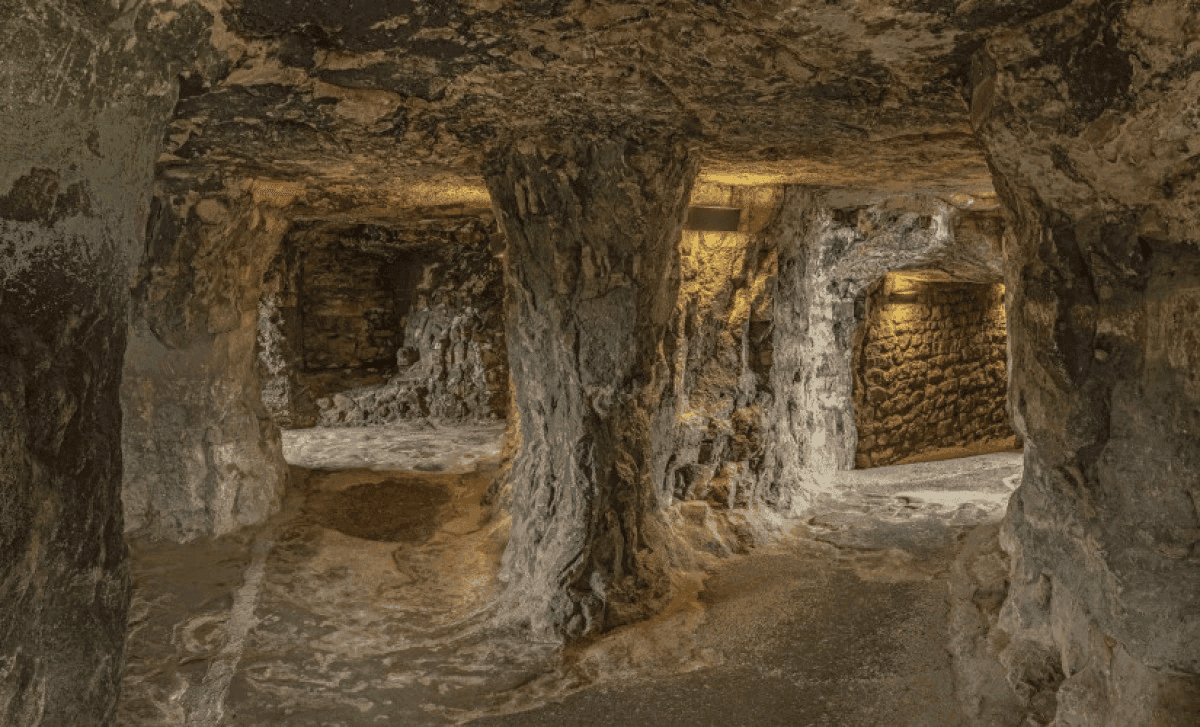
(375, 104)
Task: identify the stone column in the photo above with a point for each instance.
(83, 98)
(831, 249)
(1090, 121)
(202, 456)
(593, 228)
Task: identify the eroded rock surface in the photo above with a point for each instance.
(1098, 169)
(831, 248)
(202, 457)
(77, 151)
(723, 353)
(861, 94)
(593, 225)
(370, 324)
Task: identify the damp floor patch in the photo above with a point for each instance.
(399, 508)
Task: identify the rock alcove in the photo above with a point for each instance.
(220, 218)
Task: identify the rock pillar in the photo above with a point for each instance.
(593, 227)
(202, 456)
(83, 98)
(830, 250)
(1090, 122)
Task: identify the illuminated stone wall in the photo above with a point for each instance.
(930, 370)
(723, 351)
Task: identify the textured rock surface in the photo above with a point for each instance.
(78, 137)
(978, 587)
(279, 343)
(369, 324)
(831, 248)
(863, 94)
(202, 457)
(1083, 110)
(592, 273)
(930, 370)
(842, 623)
(1098, 168)
(723, 353)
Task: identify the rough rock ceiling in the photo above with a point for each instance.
(359, 98)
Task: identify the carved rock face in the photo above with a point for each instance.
(1101, 268)
(78, 135)
(584, 124)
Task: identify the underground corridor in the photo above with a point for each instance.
(372, 596)
(575, 362)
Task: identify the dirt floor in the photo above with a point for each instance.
(367, 602)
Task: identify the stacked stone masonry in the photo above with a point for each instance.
(368, 324)
(349, 314)
(930, 371)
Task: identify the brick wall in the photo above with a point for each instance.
(368, 324)
(930, 370)
(349, 307)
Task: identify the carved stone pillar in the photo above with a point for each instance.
(593, 228)
(1089, 120)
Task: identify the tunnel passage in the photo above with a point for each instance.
(371, 323)
(930, 370)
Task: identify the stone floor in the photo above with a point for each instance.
(367, 602)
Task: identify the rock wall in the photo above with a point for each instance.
(367, 324)
(287, 399)
(931, 370)
(592, 275)
(768, 319)
(1098, 168)
(202, 456)
(831, 248)
(722, 351)
(78, 138)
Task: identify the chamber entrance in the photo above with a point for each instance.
(930, 370)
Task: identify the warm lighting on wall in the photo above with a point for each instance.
(900, 288)
(713, 219)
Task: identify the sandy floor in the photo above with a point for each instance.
(366, 602)
(401, 446)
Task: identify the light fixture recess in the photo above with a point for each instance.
(713, 219)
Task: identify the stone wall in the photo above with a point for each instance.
(202, 457)
(367, 324)
(79, 134)
(930, 370)
(350, 306)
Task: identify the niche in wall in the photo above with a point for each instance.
(930, 370)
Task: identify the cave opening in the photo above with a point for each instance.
(930, 370)
(377, 323)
